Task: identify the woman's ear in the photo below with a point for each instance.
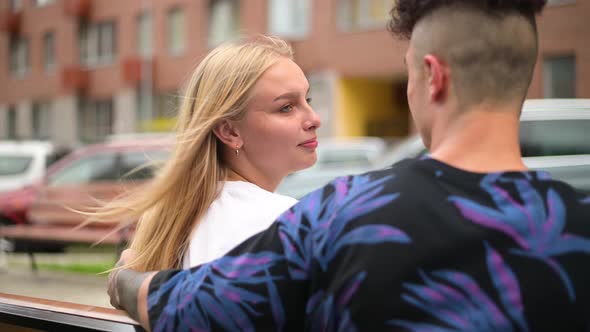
(227, 133)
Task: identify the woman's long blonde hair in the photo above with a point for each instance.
(169, 207)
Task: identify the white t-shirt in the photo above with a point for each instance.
(241, 210)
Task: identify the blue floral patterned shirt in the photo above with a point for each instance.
(421, 246)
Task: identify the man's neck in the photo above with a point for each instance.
(480, 140)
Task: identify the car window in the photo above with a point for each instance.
(92, 168)
(55, 156)
(556, 137)
(14, 165)
(343, 157)
(132, 163)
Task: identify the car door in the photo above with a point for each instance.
(82, 184)
(559, 146)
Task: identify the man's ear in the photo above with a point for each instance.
(438, 77)
(227, 133)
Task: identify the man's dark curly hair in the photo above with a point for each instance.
(406, 13)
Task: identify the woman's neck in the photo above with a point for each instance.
(233, 175)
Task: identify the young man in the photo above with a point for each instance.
(464, 239)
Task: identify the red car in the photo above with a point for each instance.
(83, 179)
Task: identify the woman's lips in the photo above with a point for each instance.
(311, 144)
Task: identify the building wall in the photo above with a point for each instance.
(564, 29)
(337, 59)
(369, 52)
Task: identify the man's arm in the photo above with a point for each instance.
(263, 284)
(131, 292)
(256, 285)
(128, 289)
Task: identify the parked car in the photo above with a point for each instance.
(91, 176)
(554, 136)
(81, 180)
(336, 156)
(22, 163)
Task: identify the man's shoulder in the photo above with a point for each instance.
(403, 168)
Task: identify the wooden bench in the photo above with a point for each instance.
(22, 313)
(34, 234)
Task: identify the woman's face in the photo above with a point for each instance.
(278, 130)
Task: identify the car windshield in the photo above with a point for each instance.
(14, 165)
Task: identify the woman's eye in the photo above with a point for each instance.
(308, 99)
(287, 108)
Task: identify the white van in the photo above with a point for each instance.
(24, 162)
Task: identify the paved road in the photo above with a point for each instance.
(62, 286)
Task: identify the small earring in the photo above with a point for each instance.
(237, 151)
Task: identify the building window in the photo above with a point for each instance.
(16, 5)
(559, 77)
(559, 2)
(49, 51)
(176, 31)
(289, 18)
(95, 120)
(144, 35)
(19, 56)
(363, 14)
(97, 43)
(223, 21)
(41, 117)
(11, 123)
(40, 3)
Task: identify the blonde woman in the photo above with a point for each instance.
(245, 123)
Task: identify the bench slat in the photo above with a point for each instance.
(64, 234)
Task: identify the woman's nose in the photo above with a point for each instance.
(313, 122)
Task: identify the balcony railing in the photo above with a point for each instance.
(74, 79)
(10, 21)
(21, 313)
(78, 8)
(136, 68)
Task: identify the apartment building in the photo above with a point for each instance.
(75, 71)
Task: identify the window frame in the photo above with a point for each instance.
(11, 122)
(98, 43)
(145, 29)
(230, 33)
(19, 56)
(49, 51)
(365, 21)
(41, 120)
(293, 31)
(176, 44)
(90, 116)
(549, 61)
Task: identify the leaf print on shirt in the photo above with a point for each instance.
(314, 228)
(330, 313)
(218, 292)
(536, 225)
(457, 301)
